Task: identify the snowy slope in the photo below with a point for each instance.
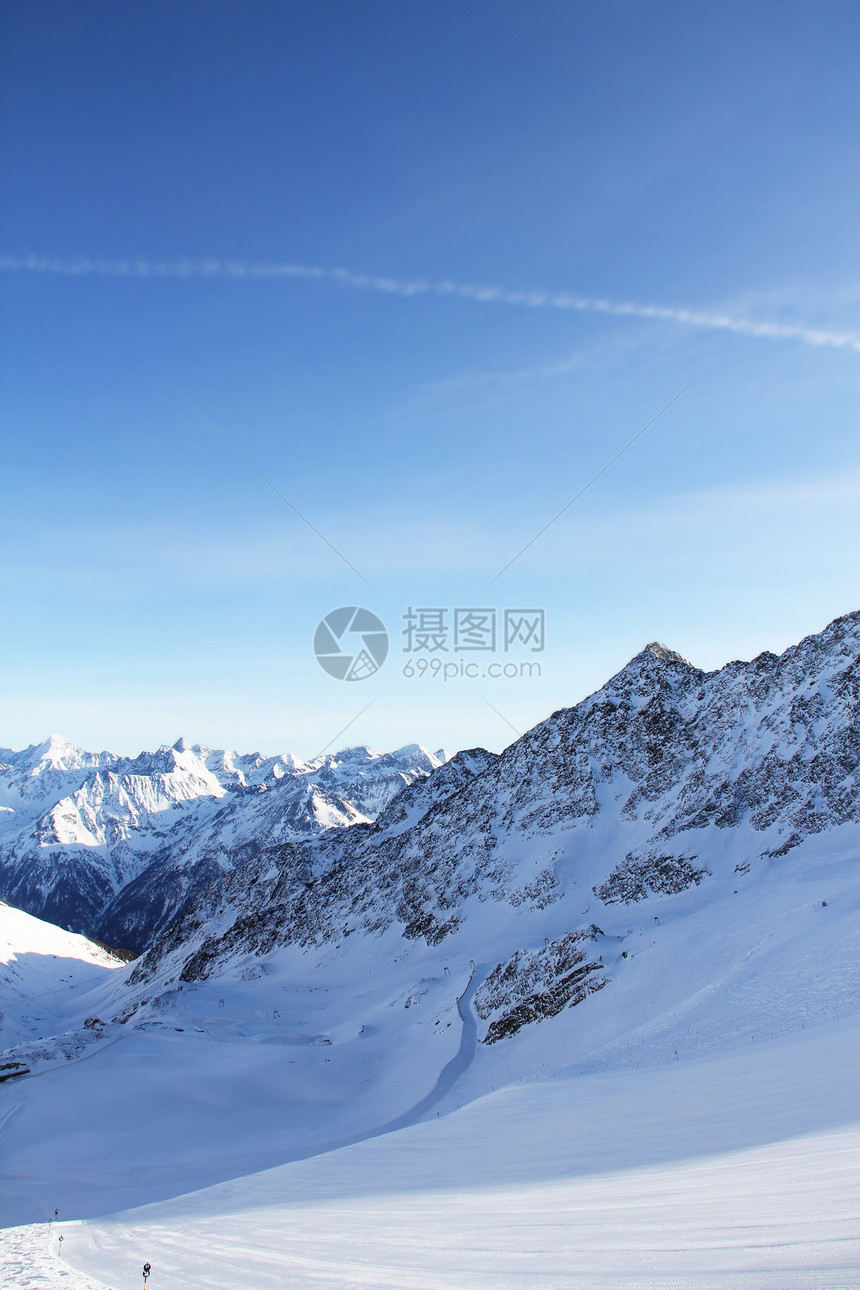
(731, 1167)
(735, 1172)
(302, 1050)
(666, 781)
(117, 846)
(42, 970)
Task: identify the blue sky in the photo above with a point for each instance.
(175, 176)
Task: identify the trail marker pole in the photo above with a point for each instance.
(60, 1252)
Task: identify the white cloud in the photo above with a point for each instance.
(530, 299)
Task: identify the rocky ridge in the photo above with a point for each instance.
(665, 780)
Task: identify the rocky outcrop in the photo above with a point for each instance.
(540, 983)
(638, 877)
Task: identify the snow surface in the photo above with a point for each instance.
(42, 971)
(733, 1172)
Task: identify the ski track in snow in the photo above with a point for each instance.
(30, 1255)
(452, 1071)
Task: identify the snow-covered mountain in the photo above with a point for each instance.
(645, 909)
(666, 779)
(116, 847)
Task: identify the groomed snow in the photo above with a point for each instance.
(735, 1172)
(728, 1167)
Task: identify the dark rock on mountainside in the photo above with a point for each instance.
(637, 877)
(537, 984)
(667, 778)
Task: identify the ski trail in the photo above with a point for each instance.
(448, 1076)
(9, 1111)
(452, 1070)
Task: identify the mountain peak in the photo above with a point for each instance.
(59, 752)
(58, 743)
(662, 652)
(419, 755)
(646, 669)
(182, 745)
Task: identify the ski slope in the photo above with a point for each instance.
(734, 1172)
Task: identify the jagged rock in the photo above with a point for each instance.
(635, 878)
(539, 983)
(116, 847)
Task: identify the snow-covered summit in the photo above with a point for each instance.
(55, 754)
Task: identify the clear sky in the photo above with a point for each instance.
(429, 265)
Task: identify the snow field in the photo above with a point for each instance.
(592, 1183)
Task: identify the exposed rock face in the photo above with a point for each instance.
(537, 984)
(667, 778)
(307, 894)
(637, 877)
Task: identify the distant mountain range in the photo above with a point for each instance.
(115, 847)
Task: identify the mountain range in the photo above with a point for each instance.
(114, 847)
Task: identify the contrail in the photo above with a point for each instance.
(238, 269)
